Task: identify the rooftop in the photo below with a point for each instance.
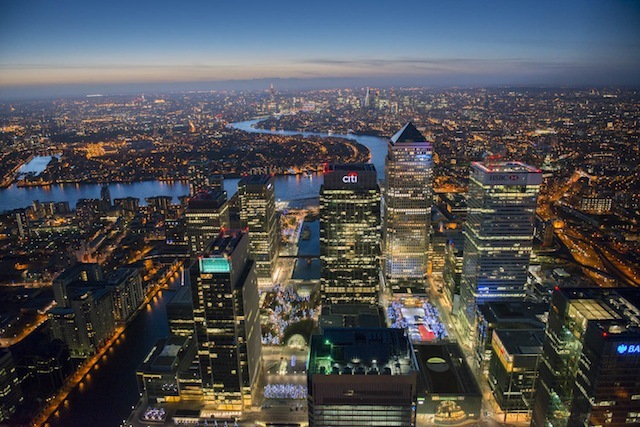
(521, 341)
(224, 244)
(262, 179)
(350, 316)
(504, 167)
(515, 311)
(208, 199)
(443, 370)
(361, 351)
(349, 167)
(615, 310)
(182, 297)
(165, 355)
(408, 133)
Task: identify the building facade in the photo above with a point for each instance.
(127, 291)
(349, 234)
(227, 322)
(513, 368)
(180, 313)
(206, 215)
(10, 391)
(407, 209)
(361, 377)
(258, 215)
(590, 359)
(502, 203)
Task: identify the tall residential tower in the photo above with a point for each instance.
(258, 214)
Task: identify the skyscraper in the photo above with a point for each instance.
(206, 215)
(105, 196)
(349, 234)
(407, 209)
(227, 322)
(258, 214)
(502, 204)
(590, 359)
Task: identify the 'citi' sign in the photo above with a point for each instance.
(350, 178)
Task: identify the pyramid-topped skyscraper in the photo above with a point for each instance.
(407, 210)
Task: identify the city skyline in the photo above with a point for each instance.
(76, 48)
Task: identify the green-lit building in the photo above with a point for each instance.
(361, 377)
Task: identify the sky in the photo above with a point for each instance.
(80, 43)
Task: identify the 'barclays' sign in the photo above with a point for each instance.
(628, 348)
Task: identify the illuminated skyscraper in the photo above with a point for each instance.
(207, 214)
(407, 209)
(590, 360)
(258, 214)
(501, 204)
(226, 315)
(349, 234)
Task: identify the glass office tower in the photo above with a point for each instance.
(407, 209)
(349, 234)
(502, 203)
(226, 315)
(590, 359)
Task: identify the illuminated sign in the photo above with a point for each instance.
(214, 265)
(628, 349)
(504, 177)
(350, 178)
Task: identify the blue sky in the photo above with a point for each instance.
(409, 42)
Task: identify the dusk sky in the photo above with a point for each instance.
(48, 43)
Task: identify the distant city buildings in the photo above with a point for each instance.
(258, 214)
(407, 209)
(502, 203)
(227, 322)
(350, 234)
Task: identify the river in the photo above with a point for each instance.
(106, 397)
(288, 187)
